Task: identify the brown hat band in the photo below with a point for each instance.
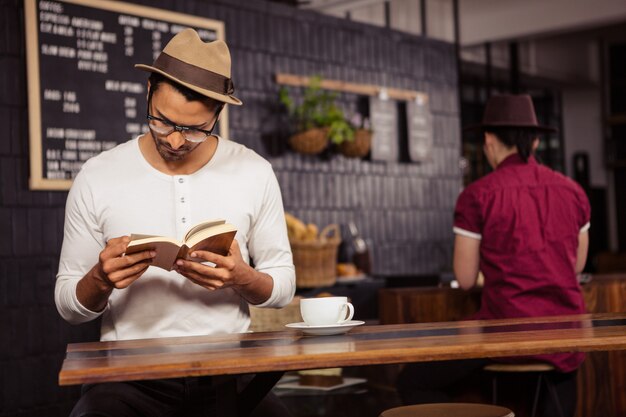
(191, 74)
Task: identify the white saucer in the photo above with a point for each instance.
(326, 330)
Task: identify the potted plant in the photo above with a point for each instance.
(317, 119)
(361, 142)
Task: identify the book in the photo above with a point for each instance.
(213, 236)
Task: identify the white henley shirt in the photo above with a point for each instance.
(118, 193)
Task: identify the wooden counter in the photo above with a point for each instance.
(602, 378)
(289, 350)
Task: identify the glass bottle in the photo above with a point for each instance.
(361, 256)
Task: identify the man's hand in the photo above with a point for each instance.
(113, 270)
(116, 271)
(229, 271)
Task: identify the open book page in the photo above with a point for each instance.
(216, 239)
(201, 226)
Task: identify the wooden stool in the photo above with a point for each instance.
(539, 368)
(448, 410)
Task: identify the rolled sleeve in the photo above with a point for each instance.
(585, 228)
(68, 305)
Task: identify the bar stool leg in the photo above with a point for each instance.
(555, 397)
(494, 389)
(536, 401)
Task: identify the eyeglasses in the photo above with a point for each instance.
(163, 127)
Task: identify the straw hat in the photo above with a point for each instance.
(203, 67)
(510, 111)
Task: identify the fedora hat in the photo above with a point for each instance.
(510, 111)
(203, 67)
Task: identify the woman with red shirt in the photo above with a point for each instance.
(525, 227)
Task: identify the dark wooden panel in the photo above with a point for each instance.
(425, 305)
(602, 377)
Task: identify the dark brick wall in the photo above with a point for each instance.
(405, 210)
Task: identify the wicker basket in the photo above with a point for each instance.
(359, 146)
(316, 262)
(310, 142)
(274, 319)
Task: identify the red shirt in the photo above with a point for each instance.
(528, 218)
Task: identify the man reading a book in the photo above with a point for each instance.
(177, 174)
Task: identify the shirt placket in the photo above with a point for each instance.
(183, 210)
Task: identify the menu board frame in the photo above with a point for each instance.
(37, 181)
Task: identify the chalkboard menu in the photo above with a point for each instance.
(420, 129)
(384, 119)
(84, 95)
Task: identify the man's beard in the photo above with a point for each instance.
(168, 153)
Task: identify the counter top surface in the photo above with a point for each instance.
(366, 345)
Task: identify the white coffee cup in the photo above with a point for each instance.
(326, 311)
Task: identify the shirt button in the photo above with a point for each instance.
(181, 180)
(183, 220)
(182, 199)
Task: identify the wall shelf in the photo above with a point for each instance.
(355, 88)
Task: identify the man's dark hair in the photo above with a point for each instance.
(520, 138)
(156, 79)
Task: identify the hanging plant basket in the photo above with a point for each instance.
(359, 147)
(310, 142)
